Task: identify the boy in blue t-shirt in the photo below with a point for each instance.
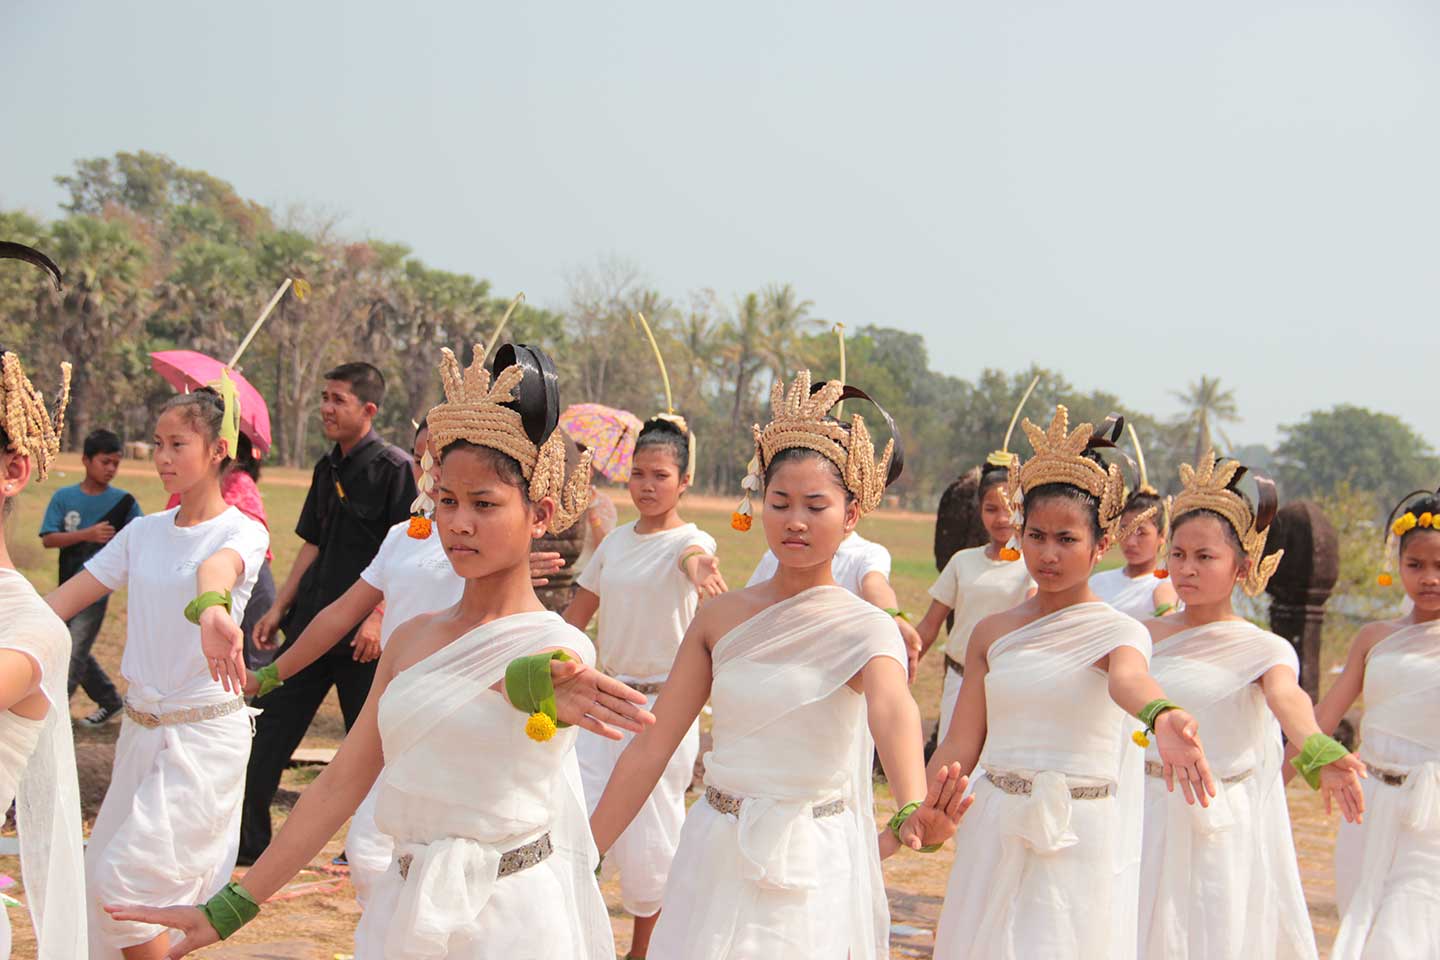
(79, 521)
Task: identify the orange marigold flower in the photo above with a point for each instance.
(1009, 553)
(419, 528)
(1384, 580)
(741, 521)
(1161, 573)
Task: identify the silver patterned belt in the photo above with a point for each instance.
(191, 715)
(1153, 769)
(1018, 786)
(952, 664)
(1390, 778)
(725, 803)
(512, 861)
(648, 688)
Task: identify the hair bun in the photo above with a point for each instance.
(538, 395)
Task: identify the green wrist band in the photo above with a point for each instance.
(1319, 751)
(898, 821)
(230, 909)
(1153, 709)
(1163, 609)
(268, 677)
(531, 690)
(206, 600)
(898, 613)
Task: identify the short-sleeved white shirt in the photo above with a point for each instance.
(974, 586)
(856, 559)
(646, 600)
(158, 561)
(415, 576)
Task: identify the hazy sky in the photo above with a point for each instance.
(1134, 192)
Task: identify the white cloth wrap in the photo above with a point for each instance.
(1050, 719)
(1388, 868)
(462, 784)
(1134, 596)
(37, 771)
(1223, 881)
(789, 734)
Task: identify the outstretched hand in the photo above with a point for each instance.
(223, 644)
(936, 819)
(543, 565)
(1177, 735)
(599, 703)
(1340, 785)
(188, 920)
(705, 574)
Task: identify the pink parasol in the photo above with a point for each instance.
(609, 434)
(188, 370)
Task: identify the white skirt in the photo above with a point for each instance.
(368, 849)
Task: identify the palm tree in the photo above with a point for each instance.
(1207, 406)
(787, 320)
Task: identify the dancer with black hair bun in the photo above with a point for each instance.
(646, 580)
(1223, 881)
(1387, 869)
(781, 858)
(168, 829)
(1047, 862)
(493, 854)
(1140, 588)
(37, 755)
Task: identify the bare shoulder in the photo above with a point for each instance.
(1371, 634)
(1162, 628)
(719, 615)
(413, 641)
(997, 625)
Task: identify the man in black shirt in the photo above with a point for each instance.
(360, 489)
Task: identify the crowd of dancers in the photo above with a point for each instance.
(1111, 759)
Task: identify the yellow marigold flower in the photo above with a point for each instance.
(419, 528)
(1384, 580)
(539, 727)
(1426, 520)
(1140, 739)
(1404, 524)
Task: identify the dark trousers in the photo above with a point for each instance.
(85, 670)
(279, 730)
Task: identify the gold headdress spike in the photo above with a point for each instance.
(1060, 458)
(1398, 524)
(30, 428)
(1146, 488)
(669, 416)
(1210, 485)
(1003, 457)
(799, 418)
(474, 410)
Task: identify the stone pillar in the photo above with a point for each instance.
(1303, 582)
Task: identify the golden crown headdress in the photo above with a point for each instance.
(670, 416)
(1059, 457)
(799, 418)
(31, 429)
(1210, 485)
(474, 410)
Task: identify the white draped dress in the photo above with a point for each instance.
(1222, 882)
(462, 786)
(1387, 869)
(1045, 873)
(776, 879)
(37, 773)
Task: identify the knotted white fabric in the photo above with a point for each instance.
(1046, 874)
(1388, 868)
(37, 771)
(462, 785)
(1223, 881)
(789, 734)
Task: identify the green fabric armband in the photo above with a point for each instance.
(1319, 751)
(898, 614)
(531, 690)
(1163, 609)
(1153, 709)
(230, 909)
(268, 677)
(206, 600)
(898, 821)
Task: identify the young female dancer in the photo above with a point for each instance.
(974, 584)
(781, 858)
(493, 855)
(167, 830)
(1136, 589)
(1223, 882)
(1047, 862)
(646, 580)
(37, 757)
(1387, 870)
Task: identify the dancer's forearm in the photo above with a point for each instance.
(329, 625)
(895, 725)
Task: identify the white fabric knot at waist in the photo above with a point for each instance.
(1421, 784)
(779, 839)
(1040, 817)
(447, 884)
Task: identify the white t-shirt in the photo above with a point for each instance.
(415, 576)
(1132, 595)
(158, 561)
(646, 600)
(974, 586)
(856, 559)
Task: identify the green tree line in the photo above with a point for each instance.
(158, 256)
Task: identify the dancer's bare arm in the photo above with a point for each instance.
(329, 625)
(581, 609)
(1176, 733)
(75, 594)
(1339, 781)
(929, 625)
(966, 736)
